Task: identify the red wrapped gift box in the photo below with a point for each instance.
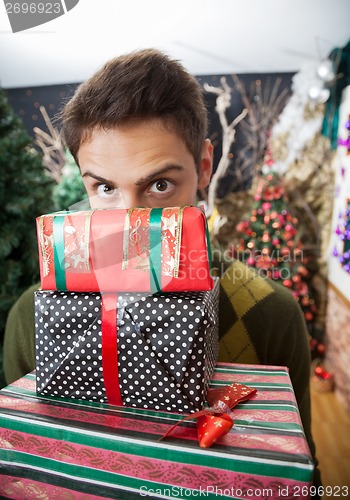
(135, 250)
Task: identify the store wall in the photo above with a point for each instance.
(26, 102)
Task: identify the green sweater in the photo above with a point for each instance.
(260, 322)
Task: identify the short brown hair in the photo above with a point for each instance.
(144, 85)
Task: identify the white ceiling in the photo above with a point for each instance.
(208, 36)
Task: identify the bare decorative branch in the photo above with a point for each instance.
(223, 102)
(264, 105)
(52, 146)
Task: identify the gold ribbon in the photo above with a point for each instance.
(44, 242)
(87, 230)
(86, 236)
(43, 246)
(126, 239)
(178, 242)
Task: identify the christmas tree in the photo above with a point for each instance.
(70, 192)
(25, 193)
(269, 240)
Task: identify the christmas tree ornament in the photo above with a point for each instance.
(325, 75)
(322, 379)
(346, 141)
(319, 94)
(325, 71)
(342, 248)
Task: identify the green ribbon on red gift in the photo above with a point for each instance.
(156, 247)
(155, 252)
(58, 250)
(217, 420)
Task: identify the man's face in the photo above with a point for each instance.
(142, 164)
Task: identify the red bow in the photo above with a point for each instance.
(217, 420)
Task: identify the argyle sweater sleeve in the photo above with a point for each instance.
(261, 322)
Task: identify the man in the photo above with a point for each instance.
(138, 131)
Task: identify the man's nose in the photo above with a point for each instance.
(130, 200)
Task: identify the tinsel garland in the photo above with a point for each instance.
(342, 251)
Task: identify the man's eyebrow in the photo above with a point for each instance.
(157, 173)
(102, 180)
(139, 182)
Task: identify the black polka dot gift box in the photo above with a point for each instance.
(134, 349)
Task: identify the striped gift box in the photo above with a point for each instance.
(53, 448)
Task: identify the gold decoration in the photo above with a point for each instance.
(45, 242)
(126, 239)
(87, 239)
(178, 242)
(170, 224)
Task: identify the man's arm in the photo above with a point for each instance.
(261, 322)
(291, 348)
(19, 349)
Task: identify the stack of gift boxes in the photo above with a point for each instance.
(127, 313)
(127, 316)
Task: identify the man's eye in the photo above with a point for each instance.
(161, 186)
(105, 191)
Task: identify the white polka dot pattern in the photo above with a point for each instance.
(167, 347)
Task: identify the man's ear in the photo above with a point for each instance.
(206, 165)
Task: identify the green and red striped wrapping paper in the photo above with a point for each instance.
(70, 449)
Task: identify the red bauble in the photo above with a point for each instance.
(241, 226)
(321, 348)
(308, 316)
